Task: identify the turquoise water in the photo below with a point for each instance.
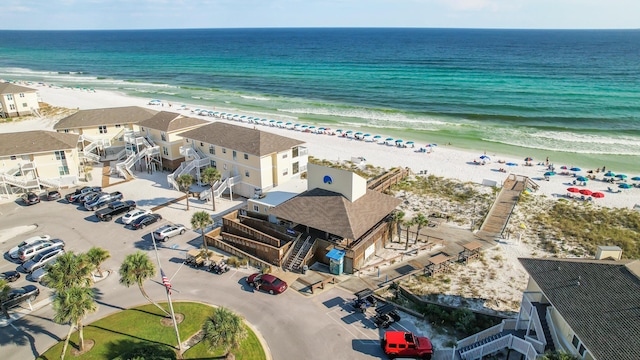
(573, 96)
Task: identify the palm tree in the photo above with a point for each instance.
(135, 269)
(210, 175)
(223, 329)
(408, 224)
(397, 220)
(71, 306)
(97, 256)
(421, 221)
(68, 271)
(184, 182)
(4, 294)
(559, 356)
(201, 220)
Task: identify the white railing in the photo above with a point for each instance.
(56, 184)
(13, 171)
(15, 181)
(508, 341)
(89, 155)
(538, 327)
(523, 347)
(481, 335)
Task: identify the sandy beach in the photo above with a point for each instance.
(442, 160)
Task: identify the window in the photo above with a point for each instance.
(21, 95)
(9, 96)
(246, 156)
(64, 170)
(295, 151)
(165, 151)
(24, 105)
(234, 155)
(393, 346)
(163, 136)
(224, 151)
(224, 166)
(402, 346)
(213, 164)
(118, 126)
(256, 208)
(285, 172)
(201, 144)
(582, 350)
(187, 140)
(266, 209)
(66, 131)
(296, 167)
(102, 129)
(13, 157)
(142, 129)
(575, 341)
(284, 156)
(212, 150)
(246, 173)
(60, 155)
(12, 107)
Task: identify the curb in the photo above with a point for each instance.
(4, 322)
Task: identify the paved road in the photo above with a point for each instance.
(294, 326)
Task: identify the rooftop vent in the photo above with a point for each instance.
(608, 253)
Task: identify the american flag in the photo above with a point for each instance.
(165, 281)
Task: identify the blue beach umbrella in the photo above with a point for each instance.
(349, 132)
(359, 133)
(389, 139)
(582, 178)
(610, 174)
(485, 157)
(624, 186)
(399, 140)
(365, 135)
(549, 173)
(621, 176)
(377, 137)
(636, 178)
(339, 130)
(410, 143)
(511, 164)
(575, 169)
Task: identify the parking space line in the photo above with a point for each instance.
(340, 320)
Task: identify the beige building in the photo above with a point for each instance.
(163, 129)
(250, 161)
(16, 100)
(585, 307)
(33, 159)
(100, 129)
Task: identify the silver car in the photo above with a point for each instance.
(129, 217)
(14, 250)
(29, 251)
(42, 259)
(167, 231)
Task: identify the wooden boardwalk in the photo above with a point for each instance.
(498, 217)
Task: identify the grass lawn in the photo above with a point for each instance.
(250, 349)
(118, 333)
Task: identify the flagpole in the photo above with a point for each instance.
(173, 316)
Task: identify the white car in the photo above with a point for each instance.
(14, 250)
(132, 215)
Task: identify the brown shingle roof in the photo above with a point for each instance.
(9, 88)
(31, 142)
(240, 138)
(169, 121)
(600, 300)
(331, 212)
(108, 116)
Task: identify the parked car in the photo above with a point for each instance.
(90, 196)
(114, 209)
(168, 231)
(10, 276)
(13, 252)
(38, 274)
(132, 215)
(74, 196)
(28, 252)
(103, 200)
(53, 195)
(143, 221)
(20, 295)
(406, 344)
(31, 198)
(267, 282)
(42, 259)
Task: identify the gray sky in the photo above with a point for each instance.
(170, 14)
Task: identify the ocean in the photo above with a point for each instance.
(570, 95)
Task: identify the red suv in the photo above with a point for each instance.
(405, 344)
(267, 282)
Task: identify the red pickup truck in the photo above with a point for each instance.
(405, 344)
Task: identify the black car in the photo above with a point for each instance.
(10, 276)
(76, 195)
(53, 195)
(31, 198)
(143, 221)
(20, 295)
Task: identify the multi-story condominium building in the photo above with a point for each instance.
(16, 100)
(33, 159)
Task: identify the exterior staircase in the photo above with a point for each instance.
(299, 253)
(138, 148)
(220, 187)
(542, 311)
(199, 161)
(94, 144)
(498, 218)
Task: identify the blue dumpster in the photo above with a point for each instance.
(336, 261)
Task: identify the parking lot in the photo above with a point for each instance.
(293, 325)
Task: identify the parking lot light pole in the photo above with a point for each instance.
(173, 316)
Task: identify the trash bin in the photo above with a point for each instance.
(304, 269)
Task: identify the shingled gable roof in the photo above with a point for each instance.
(331, 212)
(108, 116)
(600, 300)
(37, 141)
(169, 121)
(242, 139)
(9, 88)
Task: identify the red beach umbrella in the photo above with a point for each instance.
(597, 194)
(586, 192)
(573, 190)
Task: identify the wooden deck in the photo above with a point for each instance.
(498, 217)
